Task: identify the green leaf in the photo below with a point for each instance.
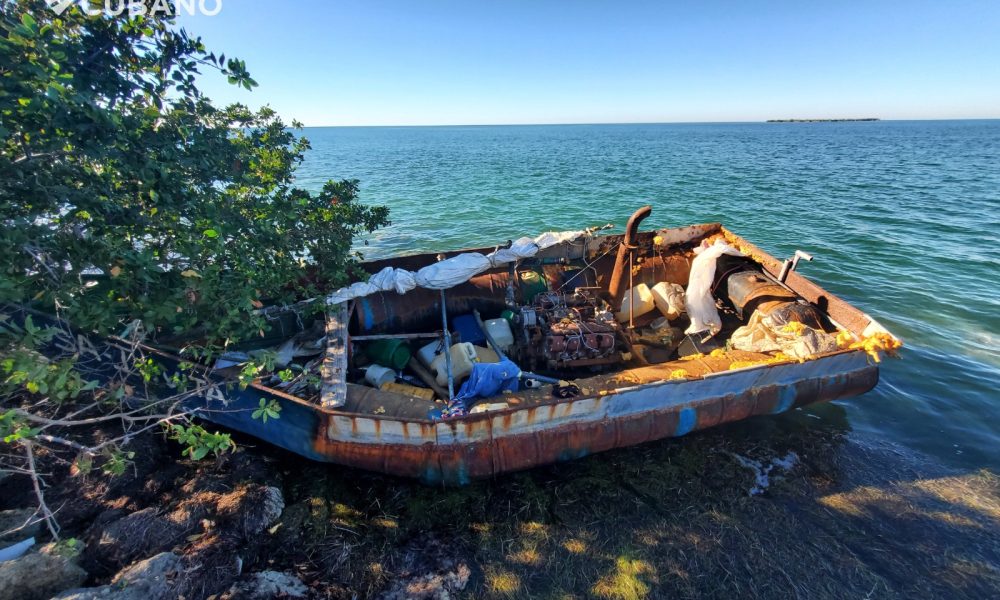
(211, 233)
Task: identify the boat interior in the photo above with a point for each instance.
(581, 318)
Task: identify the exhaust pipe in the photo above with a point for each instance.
(628, 245)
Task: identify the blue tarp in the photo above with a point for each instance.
(489, 379)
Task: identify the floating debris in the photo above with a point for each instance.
(762, 472)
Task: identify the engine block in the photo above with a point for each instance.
(560, 331)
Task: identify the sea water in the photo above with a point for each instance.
(903, 219)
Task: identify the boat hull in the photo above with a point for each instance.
(455, 452)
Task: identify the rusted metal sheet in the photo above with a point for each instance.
(457, 451)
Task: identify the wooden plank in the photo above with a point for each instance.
(334, 369)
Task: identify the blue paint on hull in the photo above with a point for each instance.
(786, 399)
(686, 421)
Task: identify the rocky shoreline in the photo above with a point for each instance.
(718, 514)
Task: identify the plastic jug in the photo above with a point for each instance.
(463, 356)
(499, 330)
(486, 355)
(429, 352)
(669, 298)
(640, 298)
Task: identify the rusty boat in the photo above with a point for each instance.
(604, 380)
(600, 340)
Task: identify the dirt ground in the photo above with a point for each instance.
(839, 517)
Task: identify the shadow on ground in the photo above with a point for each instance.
(687, 518)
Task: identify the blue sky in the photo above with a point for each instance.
(425, 62)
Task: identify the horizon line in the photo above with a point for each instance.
(803, 121)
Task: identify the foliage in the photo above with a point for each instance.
(131, 205)
(267, 410)
(126, 194)
(199, 442)
(23, 367)
(13, 428)
(115, 461)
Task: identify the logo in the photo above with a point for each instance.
(60, 6)
(134, 8)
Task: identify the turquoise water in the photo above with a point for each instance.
(902, 217)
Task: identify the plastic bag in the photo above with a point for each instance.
(698, 298)
(762, 334)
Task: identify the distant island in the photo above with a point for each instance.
(820, 120)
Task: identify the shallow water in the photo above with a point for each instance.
(902, 217)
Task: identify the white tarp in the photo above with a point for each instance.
(453, 271)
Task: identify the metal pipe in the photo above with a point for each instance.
(791, 264)
(542, 378)
(631, 230)
(631, 293)
(486, 333)
(447, 348)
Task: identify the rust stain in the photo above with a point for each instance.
(455, 463)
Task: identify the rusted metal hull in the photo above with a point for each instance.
(454, 452)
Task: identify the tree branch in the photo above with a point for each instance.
(50, 520)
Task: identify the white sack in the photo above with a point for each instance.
(551, 238)
(386, 280)
(698, 298)
(451, 272)
(522, 248)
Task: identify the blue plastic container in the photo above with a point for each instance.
(468, 329)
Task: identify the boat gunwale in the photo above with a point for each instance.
(771, 264)
(475, 417)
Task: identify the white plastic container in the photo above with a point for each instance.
(463, 356)
(499, 330)
(669, 298)
(429, 352)
(639, 297)
(377, 376)
(486, 355)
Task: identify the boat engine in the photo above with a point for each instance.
(559, 331)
